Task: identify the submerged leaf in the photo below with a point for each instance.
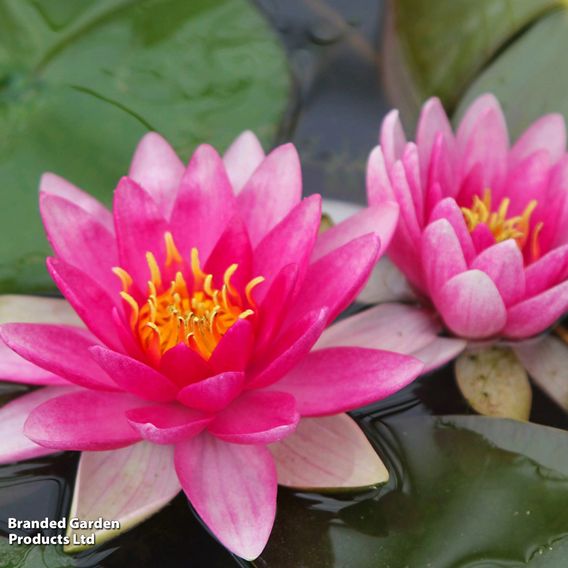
(494, 383)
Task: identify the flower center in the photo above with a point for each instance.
(197, 315)
(516, 227)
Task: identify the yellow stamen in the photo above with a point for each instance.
(125, 278)
(155, 274)
(172, 253)
(250, 287)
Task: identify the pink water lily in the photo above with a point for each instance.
(483, 230)
(202, 297)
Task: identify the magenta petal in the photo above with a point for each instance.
(334, 380)
(51, 184)
(234, 349)
(334, 281)
(504, 264)
(157, 168)
(290, 241)
(547, 271)
(14, 445)
(272, 191)
(232, 488)
(206, 200)
(91, 302)
(257, 417)
(379, 219)
(183, 366)
(471, 305)
(16, 369)
(242, 158)
(534, 315)
(286, 350)
(84, 420)
(134, 376)
(379, 187)
(140, 228)
(167, 423)
(213, 393)
(392, 138)
(78, 237)
(442, 255)
(60, 349)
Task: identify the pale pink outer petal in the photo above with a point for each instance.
(128, 485)
(14, 445)
(167, 423)
(233, 489)
(391, 327)
(504, 264)
(52, 184)
(328, 453)
(530, 317)
(379, 219)
(547, 133)
(60, 349)
(272, 191)
(334, 380)
(257, 417)
(546, 360)
(386, 284)
(340, 210)
(213, 393)
(439, 352)
(379, 186)
(392, 138)
(157, 168)
(83, 420)
(471, 305)
(242, 158)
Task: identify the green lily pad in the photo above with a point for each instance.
(438, 47)
(530, 78)
(81, 82)
(34, 556)
(464, 491)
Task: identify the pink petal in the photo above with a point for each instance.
(534, 315)
(288, 349)
(232, 488)
(14, 445)
(334, 281)
(328, 453)
(51, 184)
(410, 162)
(127, 485)
(340, 210)
(140, 228)
(442, 174)
(206, 200)
(547, 271)
(77, 237)
(392, 138)
(182, 365)
(234, 349)
(379, 187)
(84, 420)
(156, 167)
(334, 380)
(547, 133)
(471, 305)
(272, 191)
(482, 237)
(449, 210)
(403, 194)
(379, 219)
(504, 264)
(134, 376)
(242, 158)
(167, 423)
(391, 327)
(91, 302)
(290, 241)
(442, 255)
(213, 393)
(477, 110)
(60, 349)
(257, 417)
(439, 352)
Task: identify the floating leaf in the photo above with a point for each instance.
(328, 454)
(81, 82)
(494, 383)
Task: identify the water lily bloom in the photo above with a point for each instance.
(482, 236)
(201, 298)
